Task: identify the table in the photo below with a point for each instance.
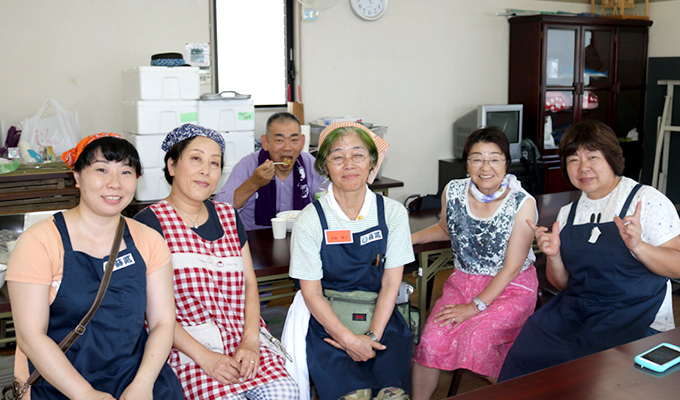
(432, 257)
(271, 259)
(383, 184)
(609, 374)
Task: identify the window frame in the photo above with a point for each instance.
(290, 73)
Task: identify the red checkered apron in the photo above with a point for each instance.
(205, 294)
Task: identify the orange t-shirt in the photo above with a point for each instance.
(38, 258)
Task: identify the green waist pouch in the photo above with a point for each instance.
(355, 310)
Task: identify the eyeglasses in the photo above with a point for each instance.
(357, 158)
(493, 163)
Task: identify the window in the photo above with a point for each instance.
(253, 47)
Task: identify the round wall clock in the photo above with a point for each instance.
(369, 10)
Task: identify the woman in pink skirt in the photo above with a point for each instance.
(492, 290)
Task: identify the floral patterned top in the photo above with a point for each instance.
(479, 244)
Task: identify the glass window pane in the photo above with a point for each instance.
(251, 49)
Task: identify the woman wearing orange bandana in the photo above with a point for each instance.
(54, 274)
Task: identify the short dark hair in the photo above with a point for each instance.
(281, 117)
(175, 153)
(333, 136)
(592, 135)
(490, 134)
(112, 149)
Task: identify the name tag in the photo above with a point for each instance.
(371, 237)
(122, 262)
(339, 236)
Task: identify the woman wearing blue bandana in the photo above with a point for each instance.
(219, 352)
(492, 290)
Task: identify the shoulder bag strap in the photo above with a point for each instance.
(66, 342)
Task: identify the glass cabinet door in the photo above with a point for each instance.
(560, 57)
(597, 58)
(630, 99)
(559, 115)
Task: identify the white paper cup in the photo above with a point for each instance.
(279, 228)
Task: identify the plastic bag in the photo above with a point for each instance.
(60, 131)
(8, 166)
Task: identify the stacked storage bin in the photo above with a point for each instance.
(157, 100)
(234, 118)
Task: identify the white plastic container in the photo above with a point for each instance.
(227, 115)
(149, 148)
(161, 83)
(226, 171)
(152, 117)
(237, 145)
(152, 185)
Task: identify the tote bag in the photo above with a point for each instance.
(60, 131)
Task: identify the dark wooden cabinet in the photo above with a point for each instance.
(565, 69)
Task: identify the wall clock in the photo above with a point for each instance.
(369, 10)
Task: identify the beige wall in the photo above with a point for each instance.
(75, 51)
(416, 70)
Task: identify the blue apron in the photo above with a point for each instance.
(348, 267)
(108, 354)
(611, 299)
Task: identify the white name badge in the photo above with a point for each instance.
(371, 237)
(122, 262)
(594, 235)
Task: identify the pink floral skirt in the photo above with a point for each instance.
(481, 343)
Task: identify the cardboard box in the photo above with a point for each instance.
(161, 83)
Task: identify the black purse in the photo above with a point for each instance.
(15, 390)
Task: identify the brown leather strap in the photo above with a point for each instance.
(67, 341)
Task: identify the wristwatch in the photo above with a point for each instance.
(371, 335)
(481, 306)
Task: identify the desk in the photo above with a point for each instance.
(609, 374)
(271, 259)
(383, 184)
(432, 257)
